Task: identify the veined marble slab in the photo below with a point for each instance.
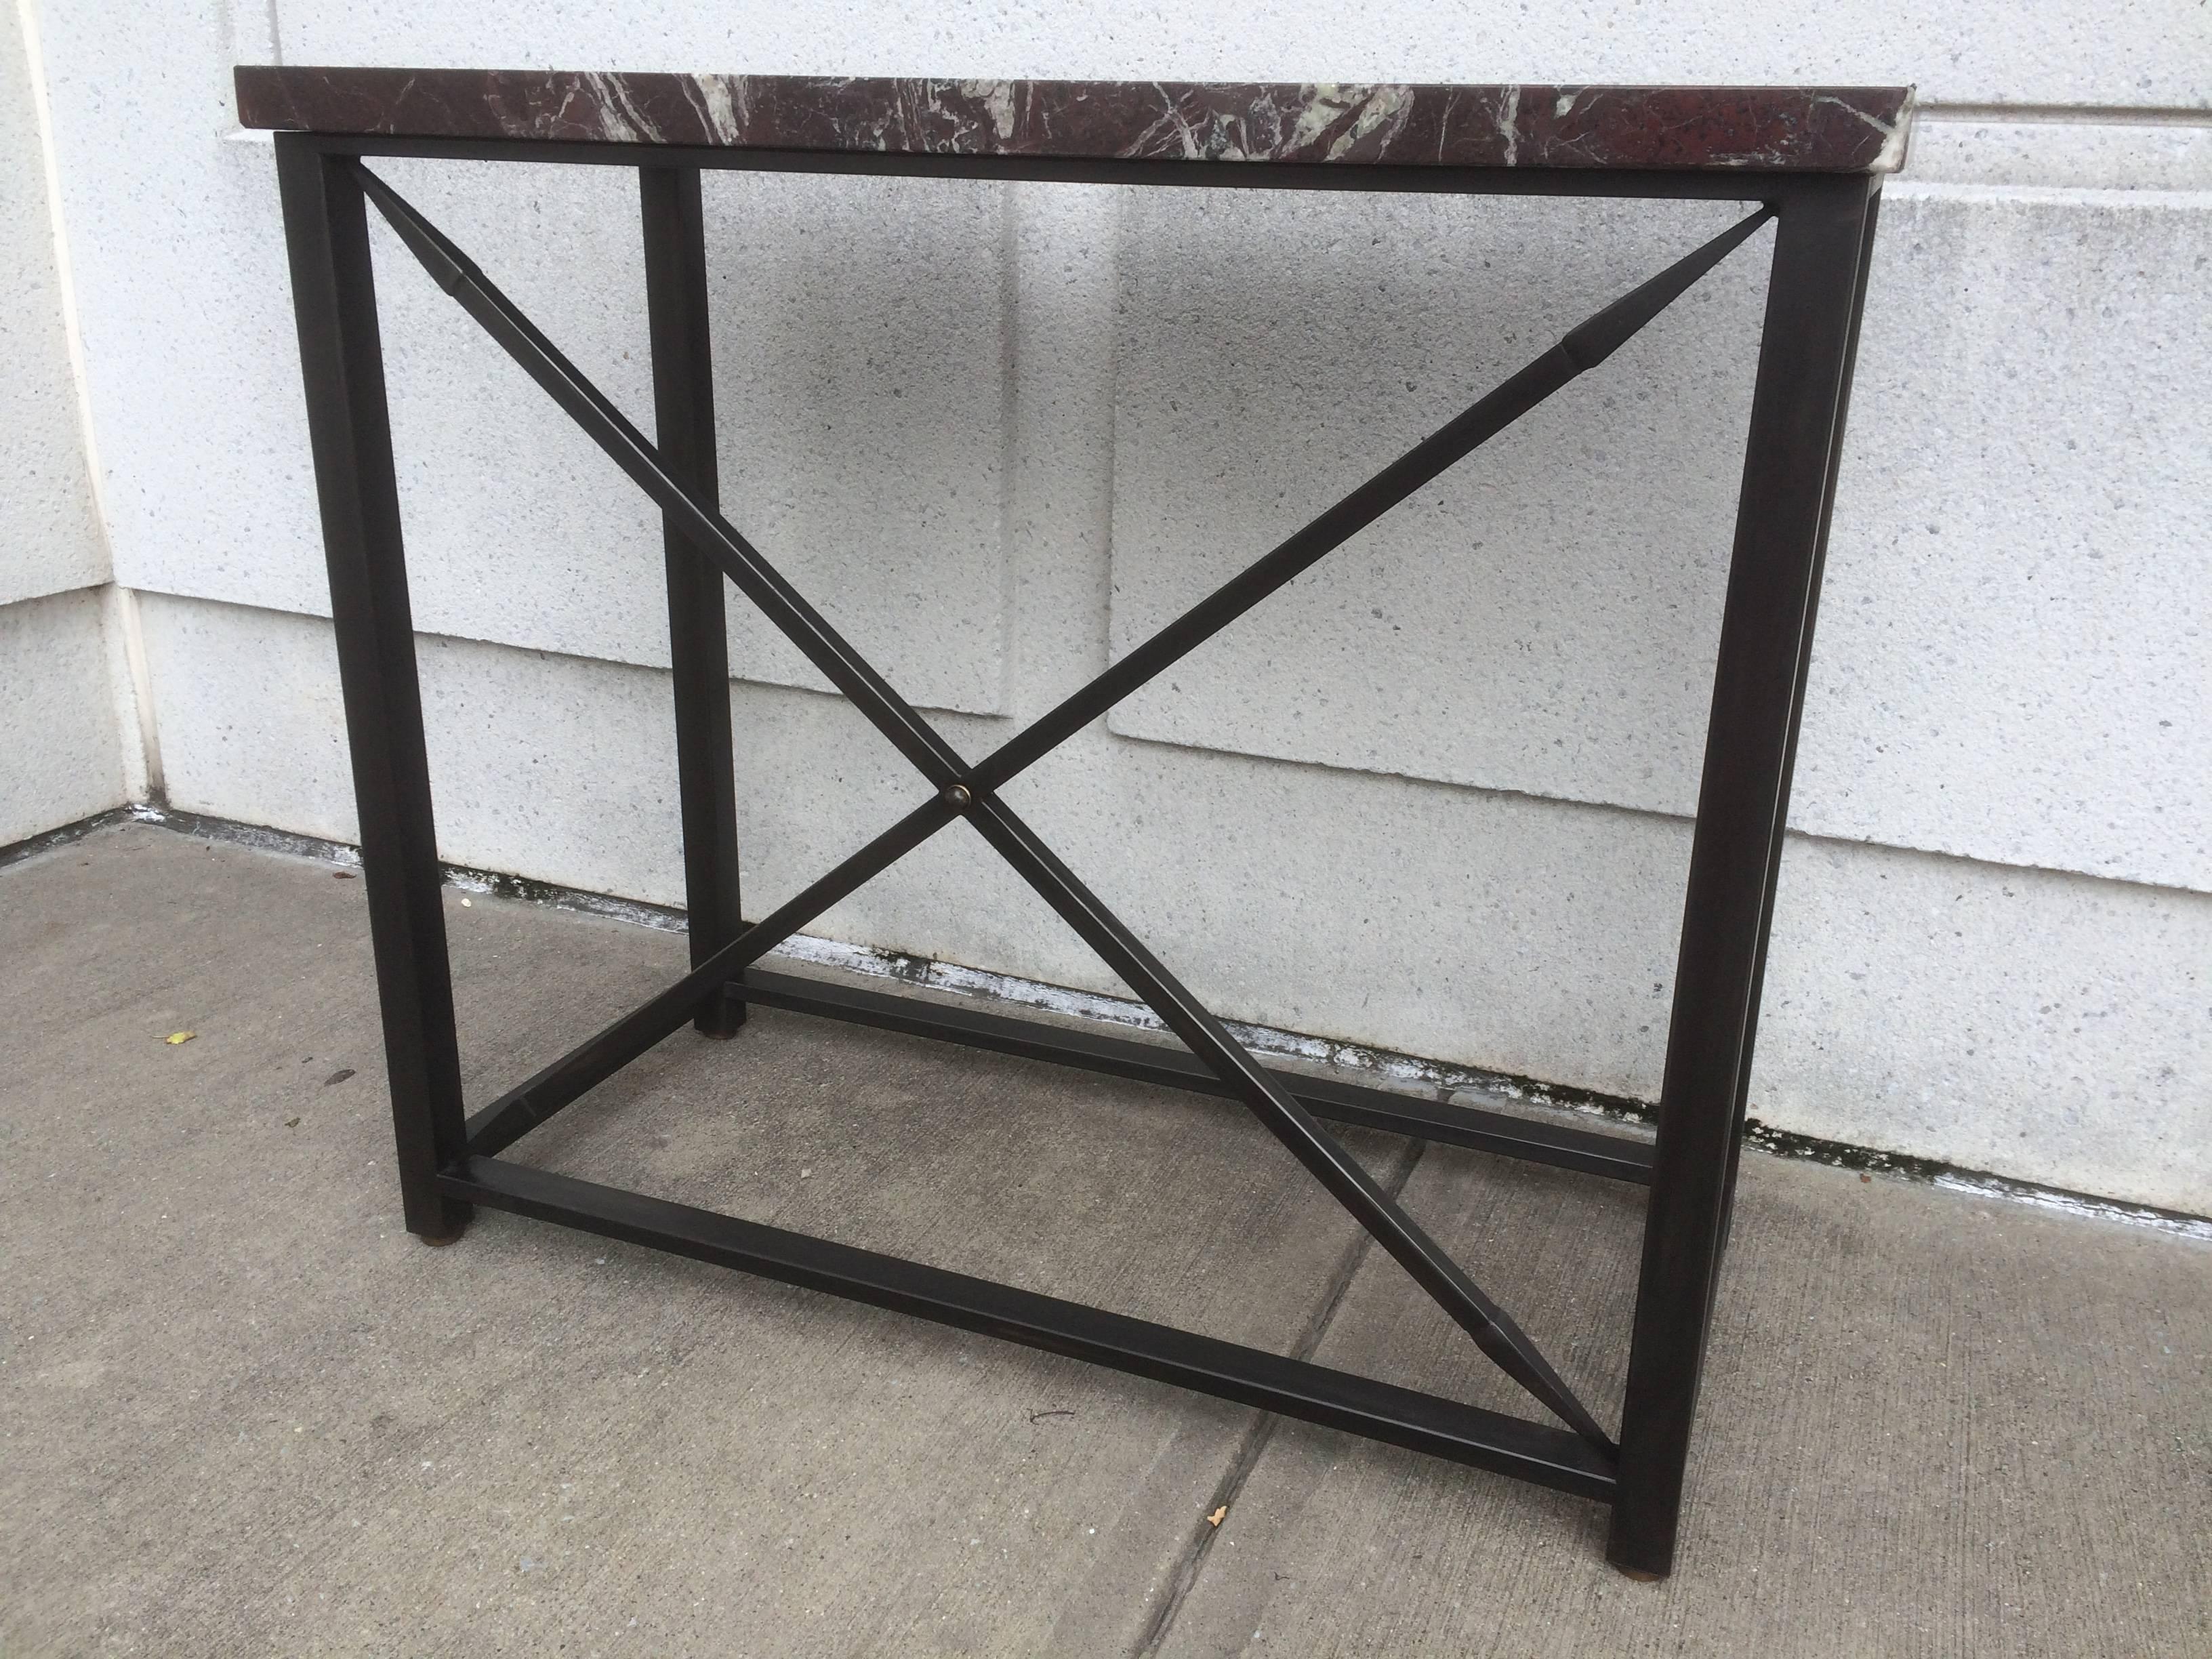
(1752, 128)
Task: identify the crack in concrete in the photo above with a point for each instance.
(1187, 1566)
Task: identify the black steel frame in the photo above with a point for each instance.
(448, 1159)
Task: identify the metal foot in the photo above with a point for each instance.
(722, 1020)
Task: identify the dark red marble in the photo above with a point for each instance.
(1751, 129)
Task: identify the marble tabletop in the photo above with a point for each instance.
(1748, 129)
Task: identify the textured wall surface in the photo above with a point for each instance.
(49, 540)
(61, 753)
(61, 750)
(1433, 796)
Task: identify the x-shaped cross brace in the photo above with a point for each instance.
(972, 792)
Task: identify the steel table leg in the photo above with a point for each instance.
(341, 356)
(1743, 803)
(698, 647)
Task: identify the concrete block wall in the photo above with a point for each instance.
(1431, 798)
(64, 689)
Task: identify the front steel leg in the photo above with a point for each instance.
(341, 359)
(1804, 365)
(1804, 668)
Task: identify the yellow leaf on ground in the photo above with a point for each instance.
(1218, 1517)
(175, 1037)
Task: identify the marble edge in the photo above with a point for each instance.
(1859, 130)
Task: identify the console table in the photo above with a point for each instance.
(1810, 160)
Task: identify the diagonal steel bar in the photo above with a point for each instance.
(1322, 1154)
(1583, 348)
(1491, 1328)
(759, 581)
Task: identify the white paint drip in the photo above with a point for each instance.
(133, 693)
(2075, 1204)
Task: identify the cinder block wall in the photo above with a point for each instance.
(61, 728)
(1433, 797)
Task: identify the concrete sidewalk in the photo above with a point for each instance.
(245, 1414)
